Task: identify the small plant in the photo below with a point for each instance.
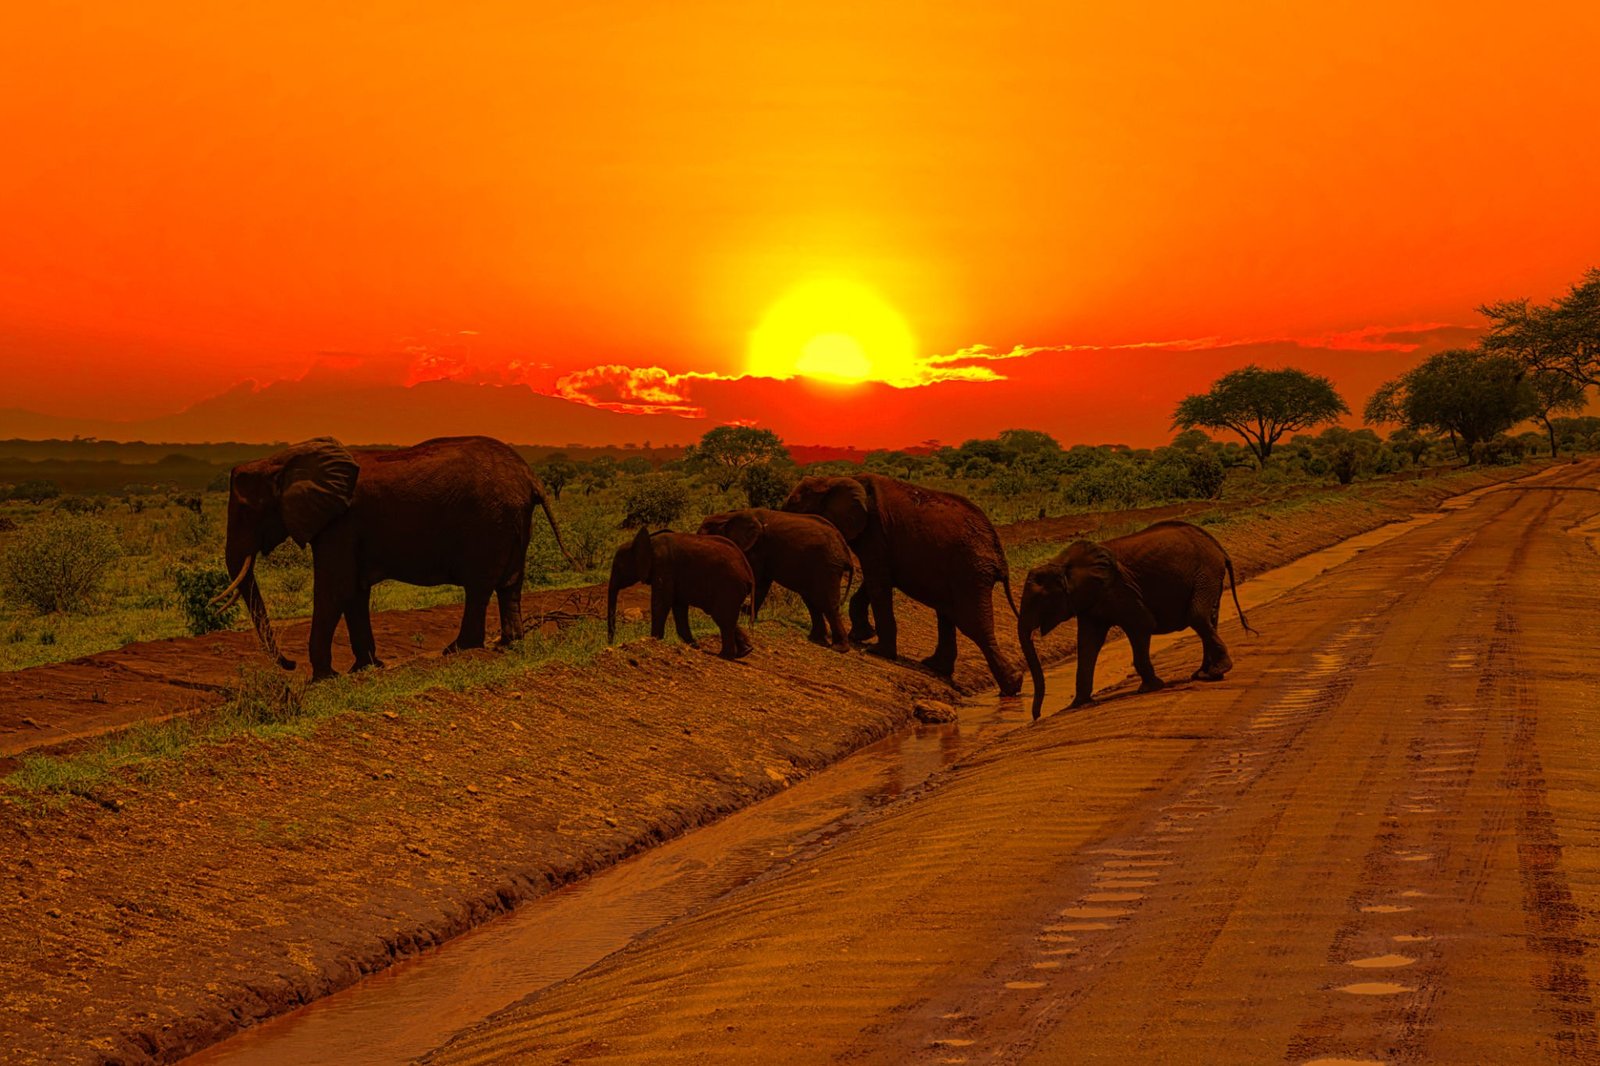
(57, 563)
(47, 637)
(196, 589)
(265, 695)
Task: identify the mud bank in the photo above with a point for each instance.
(243, 880)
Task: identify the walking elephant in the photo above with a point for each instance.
(1161, 579)
(936, 547)
(448, 511)
(686, 570)
(801, 552)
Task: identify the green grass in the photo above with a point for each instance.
(267, 704)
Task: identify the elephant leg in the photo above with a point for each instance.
(680, 622)
(976, 620)
(763, 586)
(1140, 643)
(860, 628)
(472, 615)
(735, 641)
(660, 606)
(509, 599)
(829, 601)
(943, 659)
(888, 632)
(358, 622)
(819, 624)
(1215, 661)
(1091, 638)
(326, 610)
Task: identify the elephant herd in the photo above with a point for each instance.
(459, 511)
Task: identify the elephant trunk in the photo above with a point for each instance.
(555, 529)
(244, 585)
(1027, 622)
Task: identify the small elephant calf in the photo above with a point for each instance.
(686, 570)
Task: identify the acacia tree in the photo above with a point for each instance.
(1555, 394)
(1262, 405)
(724, 453)
(1469, 394)
(1562, 336)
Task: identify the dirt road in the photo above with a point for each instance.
(1378, 841)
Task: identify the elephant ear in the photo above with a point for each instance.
(315, 486)
(1101, 567)
(845, 505)
(644, 555)
(744, 529)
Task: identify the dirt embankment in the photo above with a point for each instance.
(251, 876)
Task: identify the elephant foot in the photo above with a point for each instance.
(368, 664)
(841, 646)
(941, 665)
(882, 652)
(1081, 701)
(286, 663)
(1011, 686)
(817, 638)
(862, 634)
(323, 675)
(1208, 674)
(1154, 684)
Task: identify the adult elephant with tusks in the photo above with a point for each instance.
(936, 547)
(448, 511)
(1162, 579)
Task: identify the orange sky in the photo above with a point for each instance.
(194, 195)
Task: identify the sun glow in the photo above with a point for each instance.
(831, 330)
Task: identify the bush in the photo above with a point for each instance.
(81, 504)
(767, 485)
(1116, 484)
(57, 563)
(196, 588)
(654, 500)
(263, 694)
(36, 491)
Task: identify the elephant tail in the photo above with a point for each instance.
(557, 531)
(1005, 579)
(1234, 585)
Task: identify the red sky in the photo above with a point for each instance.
(199, 195)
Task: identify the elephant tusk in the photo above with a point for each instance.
(231, 593)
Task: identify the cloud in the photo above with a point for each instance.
(635, 390)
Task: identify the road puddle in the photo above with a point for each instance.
(1411, 938)
(1024, 986)
(1112, 897)
(1385, 908)
(418, 1004)
(1382, 962)
(1376, 988)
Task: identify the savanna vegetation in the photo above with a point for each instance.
(132, 549)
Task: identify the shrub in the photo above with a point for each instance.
(80, 504)
(767, 485)
(1116, 483)
(36, 491)
(654, 500)
(196, 588)
(57, 563)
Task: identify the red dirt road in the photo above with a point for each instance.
(1378, 841)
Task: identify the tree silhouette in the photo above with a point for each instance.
(1262, 405)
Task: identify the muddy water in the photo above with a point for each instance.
(417, 1005)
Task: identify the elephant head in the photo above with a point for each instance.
(295, 493)
(841, 500)
(744, 528)
(1087, 578)
(633, 563)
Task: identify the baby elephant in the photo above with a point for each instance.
(801, 552)
(686, 570)
(1159, 580)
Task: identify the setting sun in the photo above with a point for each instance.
(836, 331)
